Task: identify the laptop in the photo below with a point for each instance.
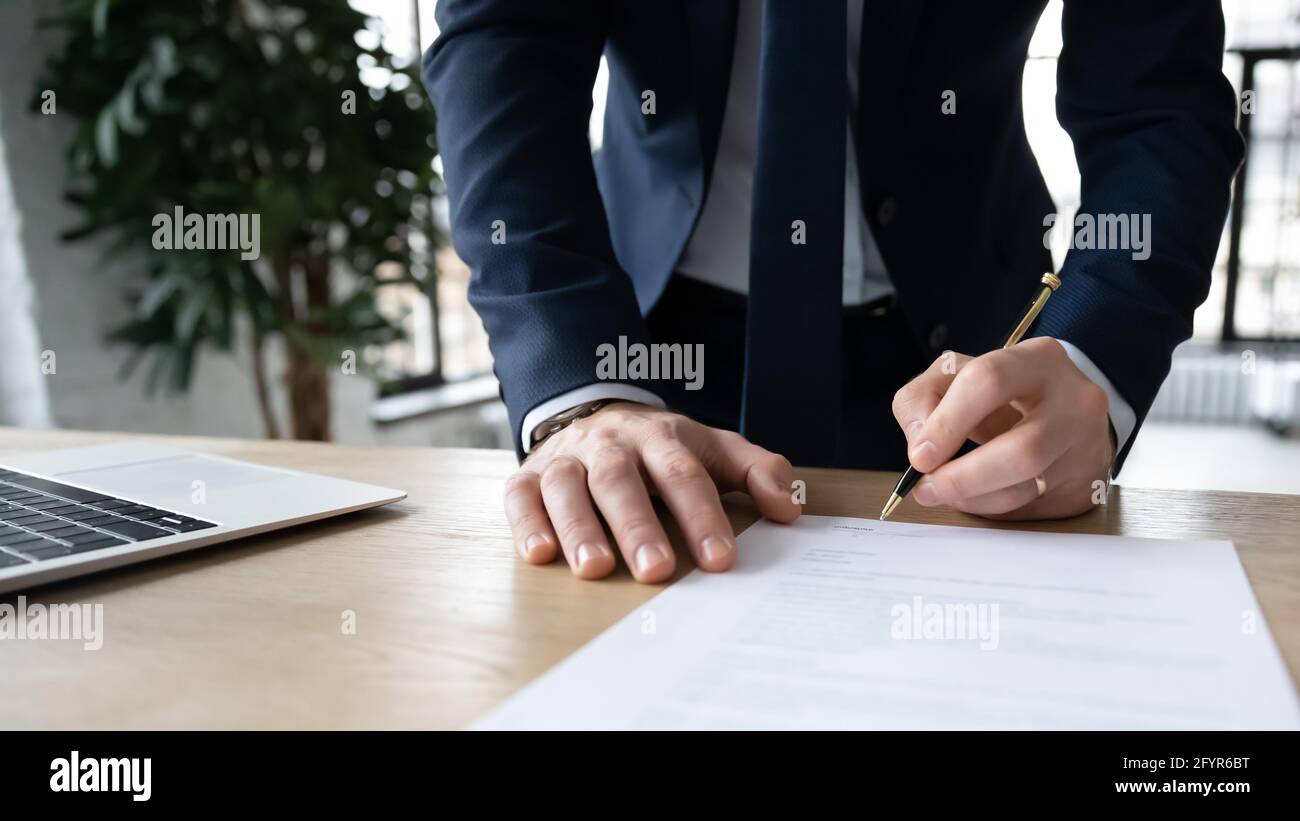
(65, 513)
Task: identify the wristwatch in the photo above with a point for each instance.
(563, 419)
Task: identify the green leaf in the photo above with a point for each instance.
(162, 50)
(260, 303)
(161, 360)
(151, 91)
(99, 19)
(106, 138)
(156, 295)
(181, 369)
(81, 232)
(124, 108)
(187, 321)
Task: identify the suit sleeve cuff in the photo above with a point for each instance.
(1122, 417)
(608, 391)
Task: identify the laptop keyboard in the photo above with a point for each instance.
(41, 519)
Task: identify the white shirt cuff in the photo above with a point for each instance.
(580, 396)
(1122, 417)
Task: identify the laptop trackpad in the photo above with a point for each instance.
(182, 478)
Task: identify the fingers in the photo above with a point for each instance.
(980, 388)
(619, 491)
(1001, 501)
(1012, 459)
(534, 539)
(738, 464)
(690, 494)
(610, 462)
(568, 503)
(916, 400)
(1065, 493)
(999, 422)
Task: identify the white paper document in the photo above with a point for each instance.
(838, 623)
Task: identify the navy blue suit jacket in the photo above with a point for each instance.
(956, 202)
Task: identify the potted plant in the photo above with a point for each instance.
(247, 109)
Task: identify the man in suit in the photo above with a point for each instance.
(828, 198)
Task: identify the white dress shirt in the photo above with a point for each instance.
(718, 250)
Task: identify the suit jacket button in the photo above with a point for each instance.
(887, 211)
(938, 336)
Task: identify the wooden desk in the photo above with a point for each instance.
(249, 634)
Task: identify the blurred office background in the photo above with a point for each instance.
(1229, 416)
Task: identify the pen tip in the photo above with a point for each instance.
(894, 501)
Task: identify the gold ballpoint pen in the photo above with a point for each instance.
(1050, 282)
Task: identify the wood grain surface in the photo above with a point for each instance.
(448, 621)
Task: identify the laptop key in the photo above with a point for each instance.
(96, 521)
(67, 510)
(86, 513)
(49, 527)
(39, 552)
(110, 504)
(75, 494)
(100, 544)
(47, 503)
(136, 531)
(193, 524)
(10, 560)
(18, 538)
(66, 531)
(148, 516)
(85, 537)
(131, 510)
(32, 518)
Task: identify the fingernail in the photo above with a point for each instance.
(924, 492)
(649, 556)
(534, 541)
(588, 553)
(922, 454)
(913, 428)
(714, 549)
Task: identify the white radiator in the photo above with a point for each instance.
(1207, 384)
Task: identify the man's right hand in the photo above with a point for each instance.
(611, 461)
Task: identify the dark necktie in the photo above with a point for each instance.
(792, 341)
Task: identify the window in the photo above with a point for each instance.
(445, 340)
(1255, 292)
(1260, 294)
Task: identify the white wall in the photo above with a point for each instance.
(23, 400)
